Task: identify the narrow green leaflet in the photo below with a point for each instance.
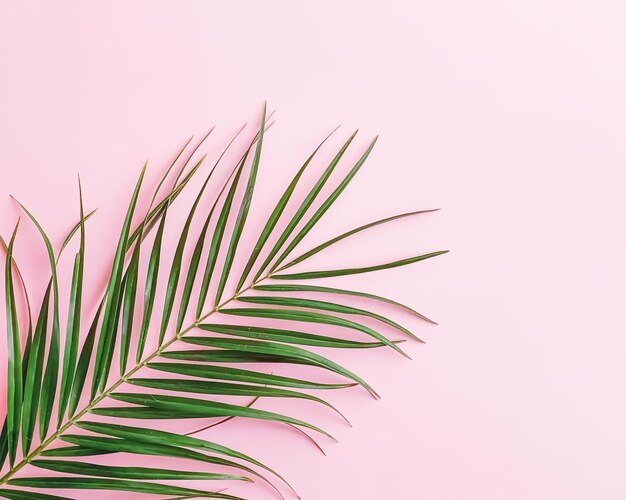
(175, 441)
(29, 333)
(202, 408)
(4, 445)
(287, 336)
(326, 306)
(113, 484)
(218, 232)
(275, 216)
(161, 208)
(175, 269)
(132, 272)
(197, 251)
(311, 317)
(239, 375)
(80, 376)
(338, 291)
(34, 368)
(73, 231)
(147, 444)
(85, 469)
(50, 378)
(115, 330)
(304, 206)
(356, 270)
(287, 352)
(28, 495)
(243, 212)
(34, 372)
(226, 419)
(155, 255)
(14, 354)
(105, 343)
(145, 413)
(131, 277)
(342, 236)
(73, 318)
(170, 441)
(216, 239)
(324, 206)
(227, 389)
(128, 307)
(150, 290)
(71, 338)
(74, 451)
(227, 356)
(155, 214)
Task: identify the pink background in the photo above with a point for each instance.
(510, 116)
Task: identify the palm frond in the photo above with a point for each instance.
(230, 347)
(14, 391)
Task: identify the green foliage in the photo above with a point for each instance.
(195, 360)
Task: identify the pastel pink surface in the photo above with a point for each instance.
(510, 116)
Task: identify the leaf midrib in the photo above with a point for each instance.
(124, 378)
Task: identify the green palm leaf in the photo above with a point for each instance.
(304, 206)
(144, 228)
(175, 270)
(32, 384)
(356, 270)
(275, 215)
(197, 251)
(325, 206)
(84, 360)
(240, 375)
(311, 317)
(50, 377)
(114, 484)
(28, 495)
(205, 359)
(279, 353)
(176, 441)
(29, 335)
(243, 213)
(104, 353)
(325, 306)
(339, 291)
(129, 472)
(14, 396)
(35, 361)
(202, 387)
(74, 451)
(216, 240)
(73, 319)
(282, 335)
(343, 236)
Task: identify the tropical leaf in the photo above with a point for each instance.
(338, 291)
(244, 328)
(128, 472)
(14, 378)
(73, 318)
(304, 206)
(106, 343)
(51, 375)
(199, 246)
(243, 213)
